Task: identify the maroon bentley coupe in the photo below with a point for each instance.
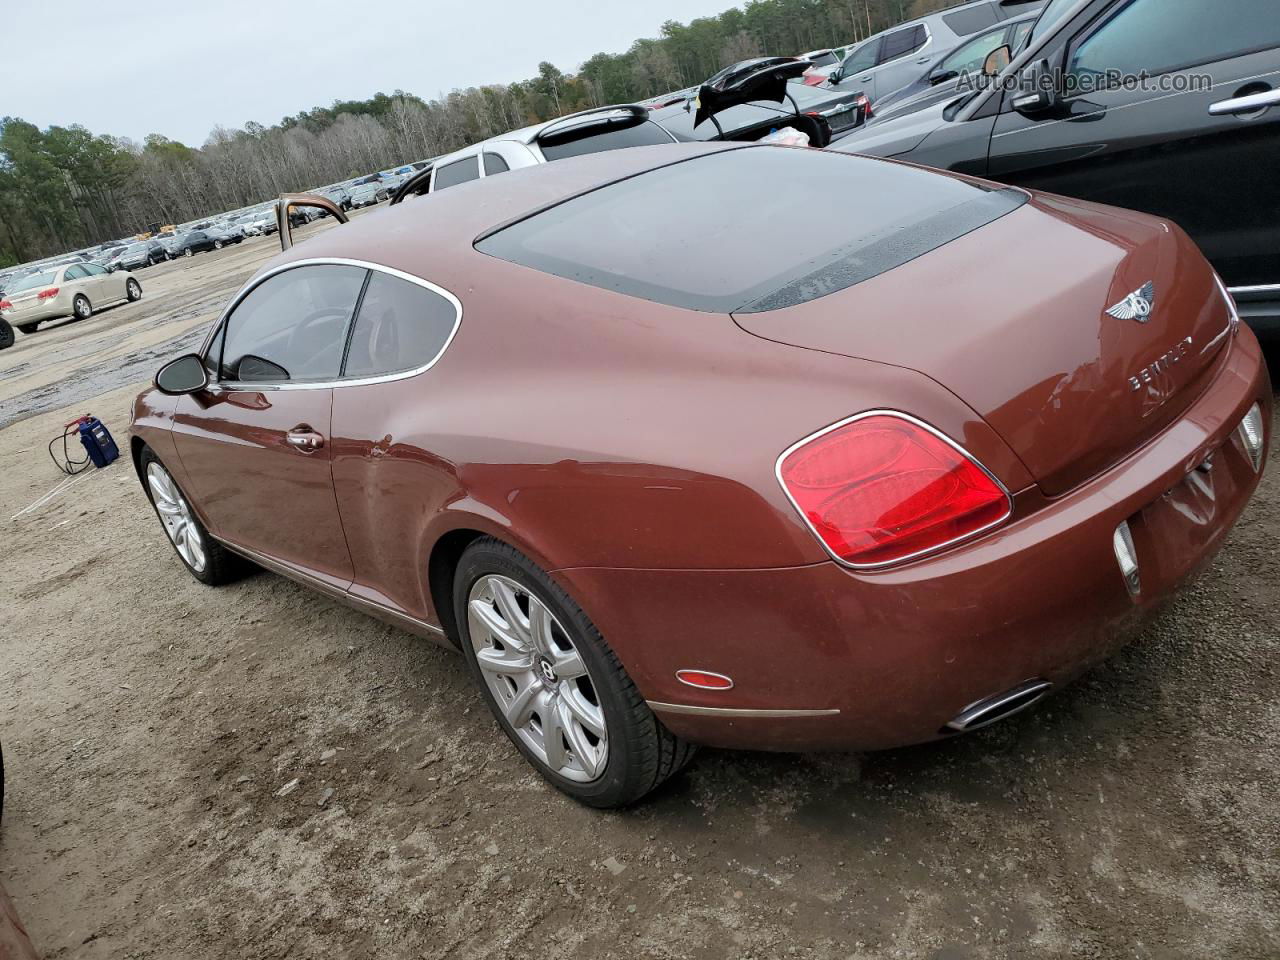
(724, 444)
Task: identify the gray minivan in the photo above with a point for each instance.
(885, 63)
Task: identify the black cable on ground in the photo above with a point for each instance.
(67, 465)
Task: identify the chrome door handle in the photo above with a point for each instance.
(304, 438)
(924, 60)
(1249, 104)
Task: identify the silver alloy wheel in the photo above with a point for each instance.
(82, 308)
(132, 290)
(538, 678)
(176, 517)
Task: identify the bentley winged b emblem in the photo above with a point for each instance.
(1137, 305)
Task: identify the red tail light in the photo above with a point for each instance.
(5, 304)
(46, 294)
(882, 488)
(865, 102)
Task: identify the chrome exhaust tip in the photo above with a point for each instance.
(984, 712)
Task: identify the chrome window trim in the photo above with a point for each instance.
(777, 472)
(729, 712)
(254, 386)
(1259, 289)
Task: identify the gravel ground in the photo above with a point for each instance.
(257, 772)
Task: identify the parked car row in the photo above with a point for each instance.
(753, 100)
(1057, 117)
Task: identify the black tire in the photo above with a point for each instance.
(28, 328)
(132, 290)
(221, 565)
(81, 307)
(642, 752)
(217, 244)
(7, 336)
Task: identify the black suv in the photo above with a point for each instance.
(1196, 140)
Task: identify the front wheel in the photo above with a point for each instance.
(133, 289)
(556, 689)
(217, 244)
(81, 307)
(187, 252)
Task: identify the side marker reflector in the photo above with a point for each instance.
(704, 679)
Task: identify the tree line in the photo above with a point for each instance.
(63, 188)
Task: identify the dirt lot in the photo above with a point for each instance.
(150, 725)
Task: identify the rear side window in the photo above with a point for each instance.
(1160, 36)
(401, 326)
(452, 174)
(682, 235)
(494, 164)
(902, 42)
(599, 137)
(971, 19)
(292, 326)
(75, 273)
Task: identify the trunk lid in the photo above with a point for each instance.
(1013, 319)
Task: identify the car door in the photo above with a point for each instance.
(904, 54)
(1196, 142)
(385, 412)
(857, 73)
(76, 279)
(105, 286)
(255, 444)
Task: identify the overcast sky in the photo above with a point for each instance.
(182, 67)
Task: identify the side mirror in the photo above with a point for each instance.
(996, 61)
(1039, 93)
(187, 374)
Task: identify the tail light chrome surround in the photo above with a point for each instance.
(928, 428)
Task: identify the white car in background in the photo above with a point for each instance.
(73, 290)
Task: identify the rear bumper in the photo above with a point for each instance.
(50, 309)
(827, 658)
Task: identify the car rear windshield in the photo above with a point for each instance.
(35, 280)
(751, 229)
(601, 135)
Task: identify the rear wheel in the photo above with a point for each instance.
(207, 560)
(556, 689)
(7, 336)
(81, 307)
(133, 289)
(187, 252)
